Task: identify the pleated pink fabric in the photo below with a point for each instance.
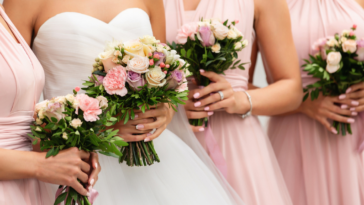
(252, 167)
(21, 82)
(319, 168)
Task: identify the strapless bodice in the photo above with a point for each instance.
(67, 47)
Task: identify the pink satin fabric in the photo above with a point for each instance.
(21, 86)
(252, 169)
(320, 168)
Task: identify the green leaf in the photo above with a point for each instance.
(183, 52)
(50, 152)
(189, 52)
(305, 97)
(113, 119)
(60, 198)
(88, 84)
(126, 117)
(54, 119)
(99, 73)
(35, 142)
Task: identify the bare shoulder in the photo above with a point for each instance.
(154, 4)
(2, 6)
(268, 7)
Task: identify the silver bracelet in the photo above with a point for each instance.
(251, 106)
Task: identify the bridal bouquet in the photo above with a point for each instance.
(74, 121)
(212, 46)
(136, 75)
(337, 65)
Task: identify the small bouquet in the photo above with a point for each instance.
(134, 76)
(212, 46)
(74, 121)
(338, 65)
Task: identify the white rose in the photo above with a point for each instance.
(232, 35)
(65, 136)
(61, 99)
(76, 123)
(117, 53)
(134, 48)
(155, 77)
(349, 46)
(238, 33)
(216, 48)
(332, 42)
(106, 54)
(333, 62)
(149, 40)
(102, 101)
(126, 59)
(245, 43)
(75, 104)
(220, 31)
(41, 114)
(115, 60)
(41, 105)
(345, 33)
(38, 129)
(343, 39)
(38, 121)
(171, 56)
(70, 98)
(160, 48)
(204, 23)
(138, 64)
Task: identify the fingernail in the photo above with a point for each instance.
(136, 116)
(201, 129)
(202, 71)
(348, 90)
(210, 113)
(139, 127)
(147, 139)
(197, 104)
(333, 130)
(354, 113)
(196, 95)
(206, 108)
(343, 96)
(344, 106)
(354, 102)
(350, 120)
(149, 134)
(89, 188)
(88, 194)
(92, 182)
(352, 109)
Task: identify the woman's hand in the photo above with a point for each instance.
(354, 98)
(96, 169)
(129, 132)
(325, 108)
(65, 168)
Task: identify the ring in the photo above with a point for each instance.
(221, 95)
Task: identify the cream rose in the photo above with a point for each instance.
(349, 46)
(75, 104)
(155, 77)
(106, 55)
(70, 98)
(61, 99)
(117, 53)
(333, 62)
(76, 123)
(134, 48)
(345, 33)
(126, 59)
(147, 49)
(220, 31)
(160, 48)
(238, 33)
(38, 129)
(41, 114)
(41, 105)
(171, 56)
(245, 43)
(102, 102)
(65, 136)
(232, 35)
(332, 42)
(343, 39)
(216, 48)
(149, 40)
(138, 64)
(238, 46)
(38, 121)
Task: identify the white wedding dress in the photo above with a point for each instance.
(67, 45)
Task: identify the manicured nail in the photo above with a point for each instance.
(206, 108)
(352, 109)
(96, 165)
(147, 139)
(351, 120)
(201, 129)
(210, 113)
(136, 116)
(139, 127)
(196, 95)
(92, 182)
(348, 90)
(341, 97)
(344, 106)
(197, 104)
(354, 113)
(355, 103)
(89, 188)
(333, 130)
(202, 71)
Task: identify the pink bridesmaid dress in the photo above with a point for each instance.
(252, 169)
(319, 168)
(21, 82)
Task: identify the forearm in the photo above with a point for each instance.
(17, 164)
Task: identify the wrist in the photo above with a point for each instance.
(36, 159)
(243, 105)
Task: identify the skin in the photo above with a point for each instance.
(327, 108)
(31, 15)
(272, 22)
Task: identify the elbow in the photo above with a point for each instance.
(296, 96)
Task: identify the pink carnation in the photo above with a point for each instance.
(114, 81)
(89, 106)
(187, 30)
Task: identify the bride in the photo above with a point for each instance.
(66, 36)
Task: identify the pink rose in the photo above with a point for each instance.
(89, 106)
(206, 36)
(108, 64)
(114, 81)
(187, 30)
(182, 87)
(360, 50)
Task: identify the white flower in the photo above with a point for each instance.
(70, 98)
(149, 40)
(333, 62)
(343, 39)
(238, 46)
(126, 59)
(138, 64)
(216, 48)
(41, 105)
(75, 104)
(349, 46)
(238, 33)
(171, 56)
(117, 53)
(160, 48)
(38, 121)
(102, 101)
(76, 123)
(61, 99)
(332, 42)
(345, 33)
(155, 77)
(38, 129)
(41, 114)
(115, 60)
(109, 50)
(245, 43)
(65, 136)
(106, 54)
(77, 133)
(220, 31)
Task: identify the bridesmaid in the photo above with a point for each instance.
(23, 173)
(319, 166)
(252, 169)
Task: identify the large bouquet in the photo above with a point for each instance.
(338, 65)
(74, 121)
(134, 76)
(212, 46)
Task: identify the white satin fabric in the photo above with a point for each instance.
(67, 45)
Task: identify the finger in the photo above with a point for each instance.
(327, 125)
(338, 110)
(82, 176)
(140, 121)
(79, 188)
(351, 96)
(214, 98)
(212, 88)
(338, 118)
(134, 130)
(191, 106)
(85, 167)
(355, 87)
(197, 128)
(219, 105)
(134, 138)
(358, 109)
(191, 93)
(214, 77)
(95, 171)
(156, 134)
(198, 115)
(85, 156)
(150, 126)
